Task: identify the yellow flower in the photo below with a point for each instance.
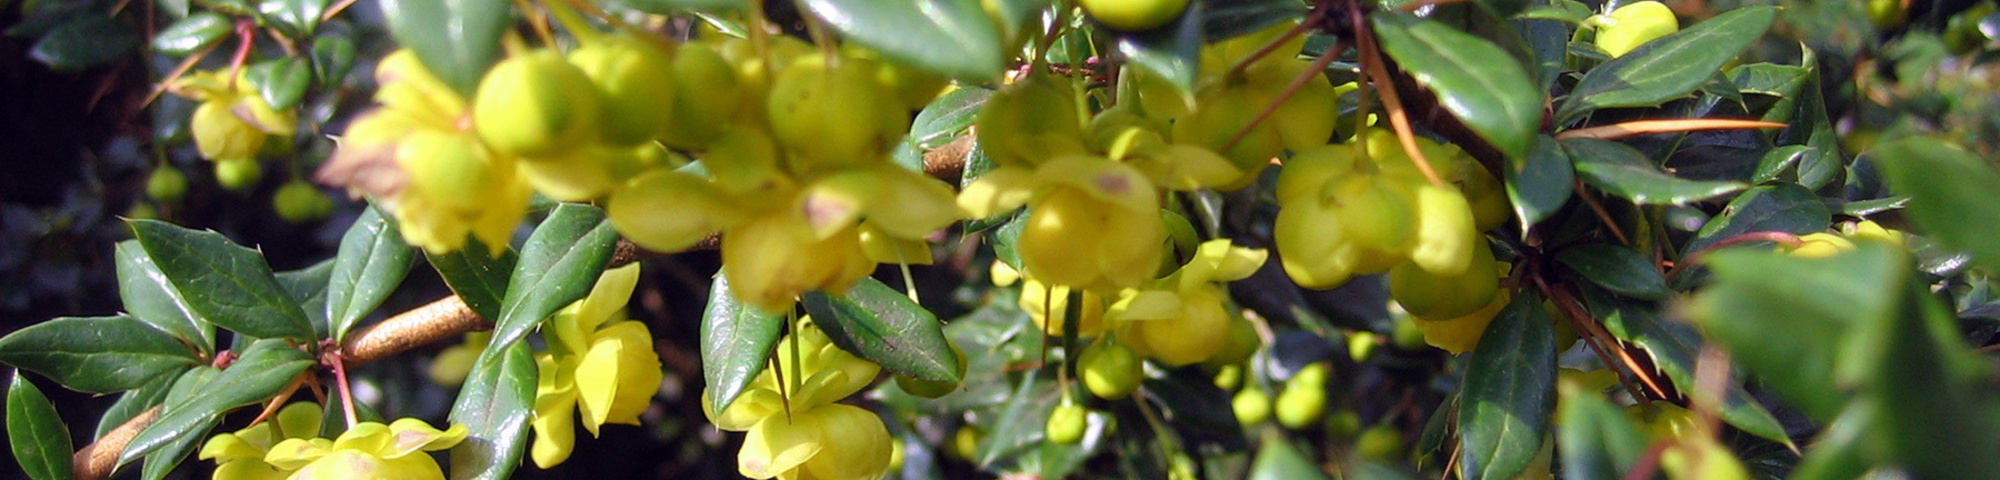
(369, 450)
(232, 120)
(1093, 223)
(240, 455)
(1181, 319)
(597, 363)
(817, 439)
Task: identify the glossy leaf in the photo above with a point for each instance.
(96, 354)
(1624, 172)
(736, 340)
(882, 325)
(1477, 81)
(1509, 392)
(559, 264)
(456, 39)
(1278, 459)
(1672, 347)
(1541, 183)
(193, 33)
(1598, 441)
(1780, 207)
(1669, 67)
(1225, 19)
(1171, 52)
(297, 18)
(371, 263)
(238, 290)
(1020, 423)
(36, 432)
(264, 370)
(85, 41)
(164, 461)
(948, 116)
(308, 287)
(495, 405)
(953, 38)
(132, 403)
(1936, 405)
(1951, 194)
(665, 7)
(1618, 269)
(150, 297)
(479, 278)
(281, 82)
(332, 58)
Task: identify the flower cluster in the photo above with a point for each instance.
(233, 122)
(796, 431)
(289, 447)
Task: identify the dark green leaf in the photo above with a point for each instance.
(237, 290)
(1509, 392)
(85, 41)
(1669, 67)
(371, 262)
(1021, 422)
(149, 296)
(1672, 347)
(736, 340)
(1617, 269)
(36, 432)
(1622, 171)
(947, 117)
(134, 402)
(456, 39)
(559, 264)
(1006, 237)
(96, 354)
(1783, 317)
(495, 405)
(191, 34)
(479, 278)
(281, 81)
(1598, 441)
(296, 18)
(1225, 19)
(1934, 397)
(1476, 81)
(1278, 459)
(882, 325)
(1951, 194)
(953, 38)
(1839, 451)
(332, 58)
(1779, 161)
(263, 371)
(164, 460)
(1171, 52)
(308, 287)
(1541, 183)
(665, 7)
(1780, 207)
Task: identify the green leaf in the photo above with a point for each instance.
(1509, 392)
(134, 402)
(263, 371)
(1597, 440)
(236, 289)
(1225, 19)
(1783, 317)
(736, 339)
(1475, 80)
(456, 39)
(164, 460)
(1779, 207)
(1669, 67)
(296, 18)
(947, 117)
(1278, 459)
(1672, 347)
(96, 354)
(149, 296)
(332, 58)
(371, 262)
(1622, 171)
(36, 432)
(1541, 183)
(1951, 194)
(281, 82)
(667, 7)
(559, 264)
(308, 287)
(881, 325)
(1171, 52)
(1021, 422)
(953, 38)
(1839, 452)
(1618, 269)
(479, 278)
(495, 405)
(191, 34)
(1934, 396)
(85, 41)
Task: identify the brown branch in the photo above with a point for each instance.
(97, 460)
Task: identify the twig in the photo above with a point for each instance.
(1602, 214)
(1399, 119)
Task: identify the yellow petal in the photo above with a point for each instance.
(295, 453)
(862, 451)
(369, 437)
(618, 377)
(910, 205)
(299, 420)
(413, 435)
(1147, 305)
(998, 191)
(750, 407)
(883, 248)
(555, 429)
(248, 469)
(778, 444)
(612, 292)
(669, 211)
(229, 446)
(1107, 181)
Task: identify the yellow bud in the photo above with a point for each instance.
(535, 105)
(707, 93)
(635, 80)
